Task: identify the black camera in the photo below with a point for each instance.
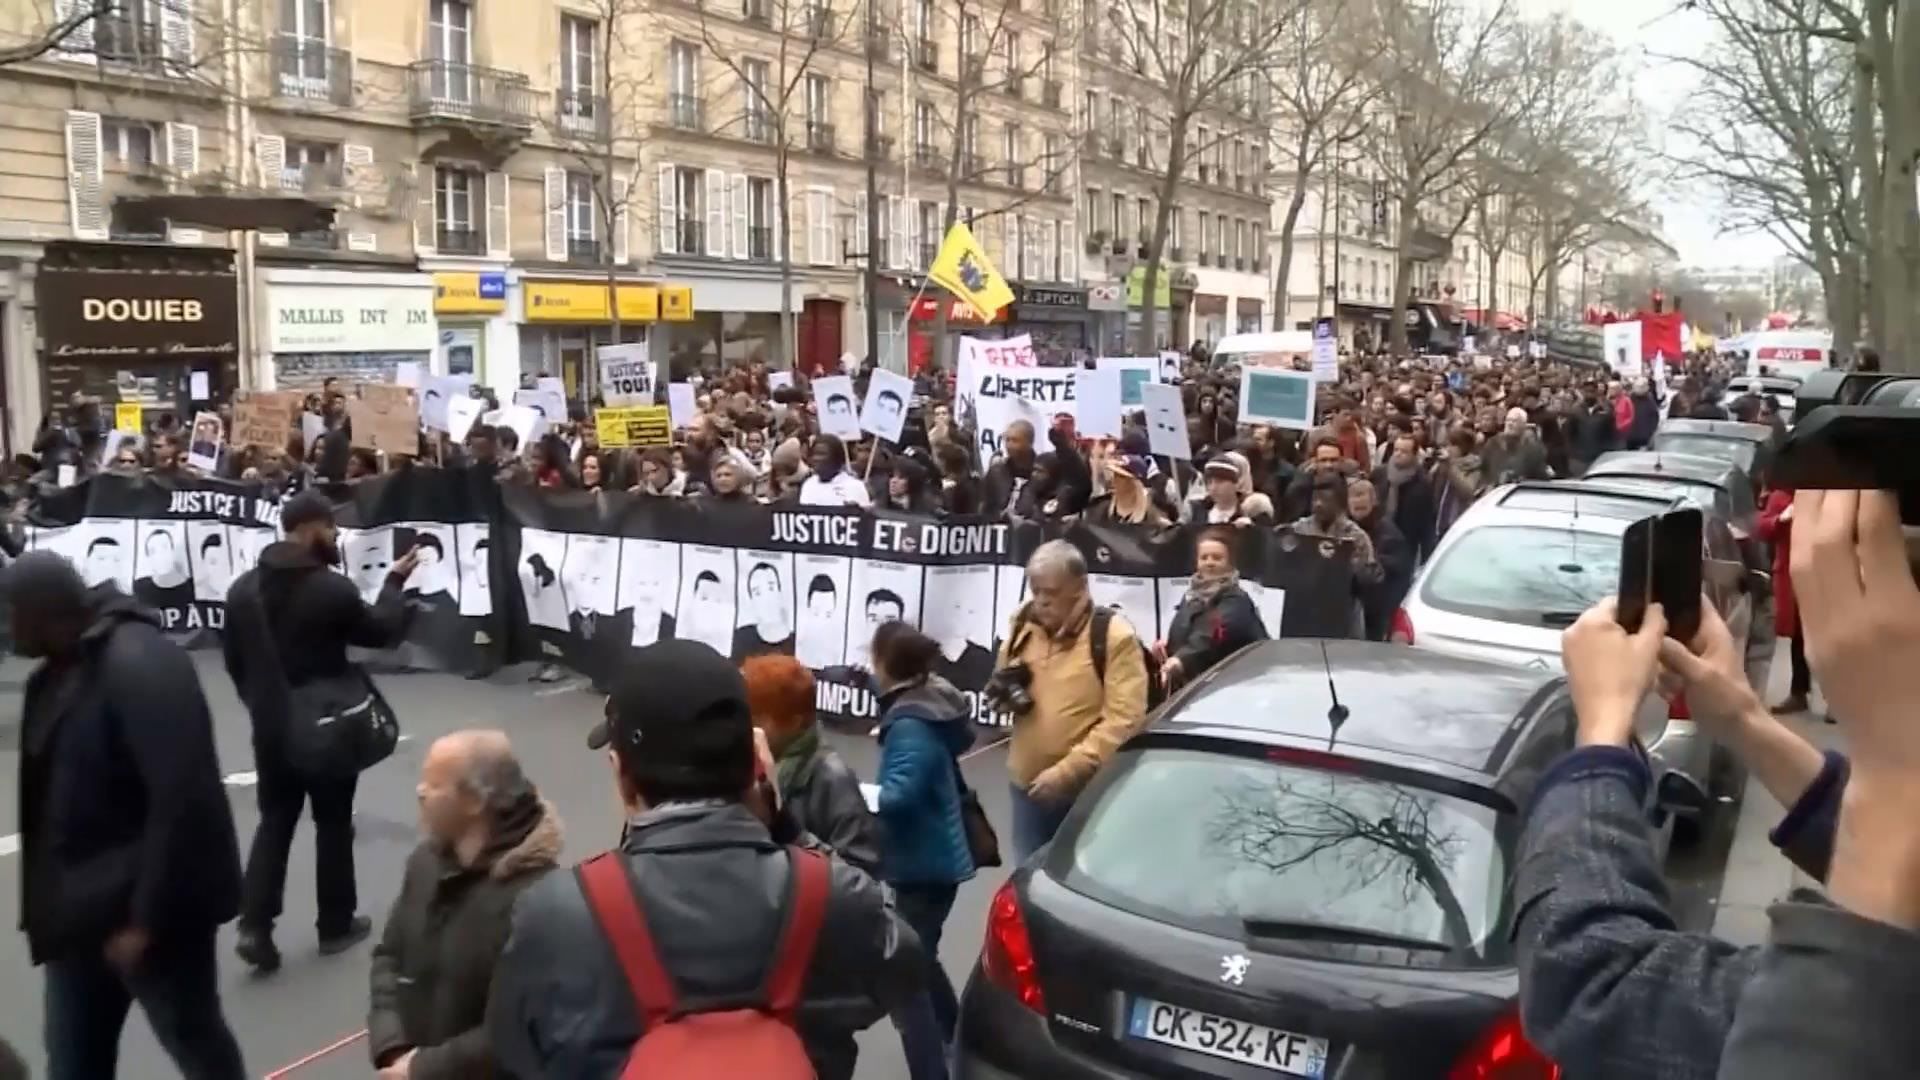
(1855, 431)
(1010, 689)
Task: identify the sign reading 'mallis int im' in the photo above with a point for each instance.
(112, 313)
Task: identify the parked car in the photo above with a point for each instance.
(1301, 868)
(1522, 564)
(1783, 389)
(1714, 484)
(1748, 447)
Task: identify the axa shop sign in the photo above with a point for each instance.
(351, 318)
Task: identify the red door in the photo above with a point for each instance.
(819, 333)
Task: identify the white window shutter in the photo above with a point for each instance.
(556, 207)
(899, 255)
(86, 193)
(270, 153)
(860, 224)
(1069, 253)
(622, 188)
(1010, 263)
(738, 201)
(1049, 252)
(717, 215)
(666, 222)
(782, 239)
(913, 236)
(816, 251)
(499, 215)
(176, 35)
(183, 149)
(424, 218)
(78, 45)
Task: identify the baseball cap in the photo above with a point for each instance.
(1221, 467)
(682, 705)
(308, 506)
(1133, 464)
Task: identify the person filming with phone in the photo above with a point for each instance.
(1609, 986)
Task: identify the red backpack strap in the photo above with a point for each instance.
(805, 914)
(609, 893)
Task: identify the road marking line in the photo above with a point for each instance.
(338, 1044)
(10, 845)
(241, 779)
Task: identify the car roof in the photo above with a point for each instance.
(1719, 429)
(1654, 464)
(1456, 714)
(1788, 383)
(1575, 498)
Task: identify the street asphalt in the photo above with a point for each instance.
(305, 1021)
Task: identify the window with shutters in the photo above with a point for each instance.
(128, 35)
(929, 213)
(760, 217)
(582, 228)
(1119, 221)
(1090, 212)
(313, 165)
(450, 46)
(128, 144)
(1055, 165)
(456, 222)
(579, 70)
(689, 209)
(926, 137)
(923, 20)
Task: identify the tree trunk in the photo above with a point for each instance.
(1491, 309)
(1899, 278)
(1402, 274)
(1145, 345)
(1282, 286)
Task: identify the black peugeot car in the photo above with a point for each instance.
(1300, 869)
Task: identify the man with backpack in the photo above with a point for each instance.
(1086, 685)
(704, 943)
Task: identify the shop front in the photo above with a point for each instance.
(1169, 324)
(731, 322)
(923, 317)
(157, 326)
(1209, 317)
(346, 325)
(1057, 320)
(470, 309)
(564, 323)
(1107, 317)
(1248, 318)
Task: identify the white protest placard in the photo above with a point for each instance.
(203, 447)
(626, 375)
(681, 406)
(1135, 372)
(552, 385)
(1513, 352)
(833, 403)
(1468, 345)
(884, 412)
(1167, 422)
(1483, 363)
(1096, 396)
(1621, 341)
(1170, 363)
(1326, 351)
(1004, 393)
(525, 421)
(441, 392)
(312, 426)
(1276, 396)
(407, 373)
(461, 413)
(551, 406)
(778, 379)
(1537, 350)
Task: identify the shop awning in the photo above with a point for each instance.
(153, 213)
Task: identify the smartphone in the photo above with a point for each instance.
(1677, 568)
(1636, 574)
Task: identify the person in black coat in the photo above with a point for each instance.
(1405, 492)
(1394, 553)
(129, 858)
(289, 623)
(1215, 618)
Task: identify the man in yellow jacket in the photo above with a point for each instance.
(1077, 720)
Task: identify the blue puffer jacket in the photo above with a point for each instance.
(924, 727)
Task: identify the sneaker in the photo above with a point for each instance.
(257, 949)
(1795, 703)
(356, 932)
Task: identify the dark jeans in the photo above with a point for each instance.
(926, 1024)
(1034, 822)
(1802, 684)
(177, 986)
(282, 793)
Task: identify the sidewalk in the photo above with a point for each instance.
(1757, 874)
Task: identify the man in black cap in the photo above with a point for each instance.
(703, 848)
(129, 862)
(289, 622)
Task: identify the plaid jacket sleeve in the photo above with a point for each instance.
(1608, 986)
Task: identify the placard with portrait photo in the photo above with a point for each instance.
(105, 547)
(367, 555)
(473, 567)
(210, 553)
(957, 612)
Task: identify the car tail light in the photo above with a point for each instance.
(1502, 1052)
(1677, 708)
(1400, 631)
(1008, 959)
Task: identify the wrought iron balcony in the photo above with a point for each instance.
(757, 11)
(128, 42)
(759, 242)
(928, 156)
(817, 22)
(583, 114)
(757, 128)
(972, 166)
(926, 55)
(444, 92)
(457, 240)
(584, 249)
(306, 69)
(1016, 84)
(691, 236)
(879, 42)
(687, 112)
(820, 137)
(880, 148)
(1050, 94)
(929, 251)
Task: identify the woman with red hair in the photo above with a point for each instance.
(816, 784)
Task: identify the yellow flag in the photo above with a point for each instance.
(963, 269)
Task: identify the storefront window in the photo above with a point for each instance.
(725, 340)
(307, 371)
(567, 351)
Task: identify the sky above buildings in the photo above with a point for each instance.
(1651, 29)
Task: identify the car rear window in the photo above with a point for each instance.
(1698, 492)
(1738, 452)
(1524, 574)
(1249, 848)
(1568, 500)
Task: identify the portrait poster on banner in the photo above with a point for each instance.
(1326, 351)
(682, 405)
(385, 419)
(1167, 433)
(884, 413)
(527, 423)
(1622, 344)
(834, 403)
(626, 375)
(778, 379)
(1135, 372)
(203, 449)
(1278, 397)
(1096, 394)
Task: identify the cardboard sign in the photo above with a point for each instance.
(384, 418)
(127, 417)
(627, 377)
(634, 426)
(266, 419)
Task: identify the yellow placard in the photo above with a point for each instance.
(459, 294)
(676, 303)
(127, 416)
(636, 425)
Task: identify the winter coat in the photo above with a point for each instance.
(1591, 433)
(1606, 978)
(1646, 419)
(1413, 510)
(924, 728)
(824, 797)
(434, 965)
(1004, 480)
(123, 817)
(1395, 555)
(310, 615)
(1770, 529)
(1512, 458)
(1204, 632)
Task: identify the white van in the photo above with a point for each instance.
(1275, 348)
(1794, 353)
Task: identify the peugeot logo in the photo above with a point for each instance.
(1233, 969)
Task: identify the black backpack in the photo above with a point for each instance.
(1102, 620)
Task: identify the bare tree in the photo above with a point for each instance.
(774, 109)
(1321, 97)
(1202, 58)
(55, 32)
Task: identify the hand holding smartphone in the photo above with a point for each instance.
(1661, 562)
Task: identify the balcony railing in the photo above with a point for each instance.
(1117, 148)
(1176, 253)
(1016, 175)
(757, 11)
(444, 91)
(817, 22)
(316, 176)
(928, 156)
(1016, 84)
(692, 237)
(126, 41)
(1093, 146)
(820, 137)
(1050, 94)
(1239, 262)
(306, 69)
(687, 112)
(459, 240)
(929, 251)
(578, 112)
(1140, 157)
(757, 128)
(972, 165)
(880, 148)
(317, 240)
(976, 69)
(583, 249)
(926, 55)
(759, 242)
(879, 43)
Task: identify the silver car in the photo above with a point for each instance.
(1523, 563)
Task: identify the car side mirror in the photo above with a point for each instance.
(1678, 793)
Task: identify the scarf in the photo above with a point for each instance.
(1397, 476)
(1202, 591)
(794, 756)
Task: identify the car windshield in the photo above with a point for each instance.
(1280, 853)
(1524, 574)
(1738, 452)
